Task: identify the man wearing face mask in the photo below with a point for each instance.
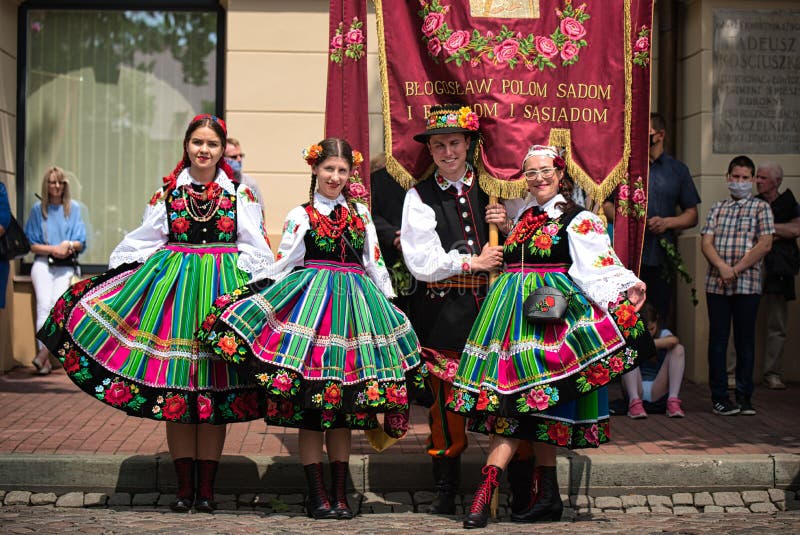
(670, 185)
(234, 156)
(736, 237)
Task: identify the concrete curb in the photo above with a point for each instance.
(606, 475)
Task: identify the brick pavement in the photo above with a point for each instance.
(44, 415)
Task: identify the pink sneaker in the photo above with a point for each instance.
(674, 408)
(636, 409)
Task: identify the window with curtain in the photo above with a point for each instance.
(108, 95)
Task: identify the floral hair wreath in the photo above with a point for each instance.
(355, 187)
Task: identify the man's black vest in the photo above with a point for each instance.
(443, 318)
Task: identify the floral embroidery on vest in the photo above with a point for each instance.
(327, 230)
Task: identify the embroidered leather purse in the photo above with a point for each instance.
(546, 304)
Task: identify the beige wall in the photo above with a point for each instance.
(695, 137)
(276, 61)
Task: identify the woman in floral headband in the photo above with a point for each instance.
(127, 336)
(527, 380)
(329, 349)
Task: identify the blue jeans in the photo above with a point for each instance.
(742, 309)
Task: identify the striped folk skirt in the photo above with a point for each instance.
(325, 344)
(126, 337)
(542, 381)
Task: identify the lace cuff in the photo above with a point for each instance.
(125, 254)
(257, 263)
(606, 292)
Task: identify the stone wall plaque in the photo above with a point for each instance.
(756, 81)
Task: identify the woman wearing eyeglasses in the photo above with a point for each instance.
(526, 380)
(57, 235)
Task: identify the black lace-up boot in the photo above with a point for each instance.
(317, 503)
(184, 471)
(339, 490)
(545, 503)
(478, 515)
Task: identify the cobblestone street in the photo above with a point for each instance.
(18, 520)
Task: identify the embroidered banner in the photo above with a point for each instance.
(555, 72)
(346, 96)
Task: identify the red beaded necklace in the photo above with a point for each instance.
(327, 226)
(210, 191)
(527, 225)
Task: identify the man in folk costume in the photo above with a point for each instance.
(444, 239)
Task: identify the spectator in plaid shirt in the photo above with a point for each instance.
(736, 237)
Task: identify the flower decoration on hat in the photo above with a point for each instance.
(468, 119)
(311, 154)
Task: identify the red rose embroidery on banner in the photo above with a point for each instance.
(432, 23)
(546, 47)
(434, 46)
(504, 46)
(569, 52)
(506, 50)
(354, 36)
(572, 28)
(457, 40)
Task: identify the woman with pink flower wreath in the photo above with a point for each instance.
(522, 380)
(126, 336)
(324, 342)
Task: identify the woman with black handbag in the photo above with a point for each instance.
(556, 327)
(57, 235)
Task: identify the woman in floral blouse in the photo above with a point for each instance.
(329, 349)
(127, 336)
(540, 382)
